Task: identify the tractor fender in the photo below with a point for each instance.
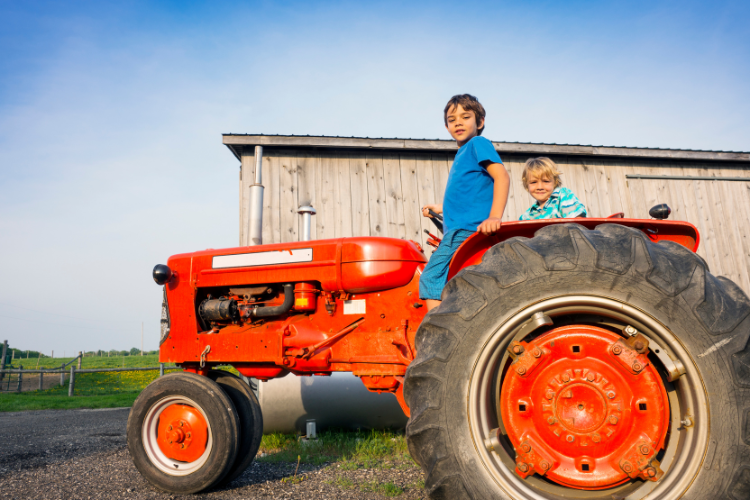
(474, 247)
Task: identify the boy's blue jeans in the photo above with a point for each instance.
(435, 273)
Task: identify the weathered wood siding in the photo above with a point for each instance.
(380, 192)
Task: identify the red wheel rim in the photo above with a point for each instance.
(585, 408)
(182, 433)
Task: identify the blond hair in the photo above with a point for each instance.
(541, 167)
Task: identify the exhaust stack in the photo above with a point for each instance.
(255, 212)
(307, 213)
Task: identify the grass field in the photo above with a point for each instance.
(92, 390)
(347, 451)
(90, 362)
(366, 448)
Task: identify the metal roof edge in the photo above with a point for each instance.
(234, 140)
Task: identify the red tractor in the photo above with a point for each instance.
(593, 359)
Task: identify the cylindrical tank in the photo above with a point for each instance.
(340, 400)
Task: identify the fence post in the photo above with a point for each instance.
(161, 369)
(71, 386)
(20, 379)
(2, 361)
(62, 374)
(41, 381)
(80, 354)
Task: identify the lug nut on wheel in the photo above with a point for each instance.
(523, 467)
(617, 350)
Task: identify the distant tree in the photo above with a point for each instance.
(135, 351)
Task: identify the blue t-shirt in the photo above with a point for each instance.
(468, 195)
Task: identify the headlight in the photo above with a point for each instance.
(162, 274)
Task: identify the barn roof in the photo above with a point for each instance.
(236, 141)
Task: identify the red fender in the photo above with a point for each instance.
(471, 251)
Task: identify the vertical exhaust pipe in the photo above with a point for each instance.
(255, 212)
(307, 213)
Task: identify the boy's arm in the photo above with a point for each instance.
(571, 206)
(499, 197)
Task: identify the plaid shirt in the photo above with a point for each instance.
(562, 204)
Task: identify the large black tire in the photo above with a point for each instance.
(250, 419)
(219, 411)
(663, 284)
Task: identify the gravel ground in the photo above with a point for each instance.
(82, 454)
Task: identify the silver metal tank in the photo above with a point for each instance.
(340, 400)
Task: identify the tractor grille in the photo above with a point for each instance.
(164, 318)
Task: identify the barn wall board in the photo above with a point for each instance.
(379, 193)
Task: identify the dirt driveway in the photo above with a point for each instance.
(82, 454)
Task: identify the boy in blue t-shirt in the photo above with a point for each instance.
(475, 196)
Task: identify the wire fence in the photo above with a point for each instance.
(81, 382)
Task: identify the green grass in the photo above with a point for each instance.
(387, 489)
(92, 390)
(351, 450)
(90, 362)
(33, 401)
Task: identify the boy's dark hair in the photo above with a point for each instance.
(469, 103)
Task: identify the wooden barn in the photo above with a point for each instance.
(375, 187)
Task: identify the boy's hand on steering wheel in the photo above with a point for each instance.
(490, 225)
(438, 209)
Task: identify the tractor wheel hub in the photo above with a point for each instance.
(585, 408)
(182, 433)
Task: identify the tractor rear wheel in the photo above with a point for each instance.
(183, 433)
(250, 420)
(584, 364)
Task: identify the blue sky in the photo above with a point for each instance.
(111, 117)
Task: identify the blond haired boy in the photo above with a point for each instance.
(541, 179)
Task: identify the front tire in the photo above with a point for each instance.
(182, 433)
(611, 277)
(250, 419)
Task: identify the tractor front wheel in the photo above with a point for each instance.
(584, 364)
(183, 433)
(250, 420)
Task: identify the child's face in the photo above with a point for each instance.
(540, 188)
(462, 124)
